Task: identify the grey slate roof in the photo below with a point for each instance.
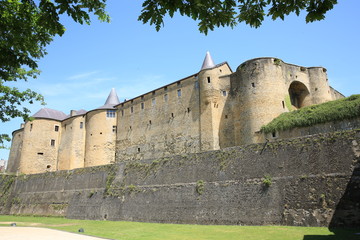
(111, 101)
(50, 114)
(208, 62)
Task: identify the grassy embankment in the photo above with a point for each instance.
(345, 108)
(151, 231)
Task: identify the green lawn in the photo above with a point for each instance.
(149, 231)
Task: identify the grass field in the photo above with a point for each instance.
(150, 231)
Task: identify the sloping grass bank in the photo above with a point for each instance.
(152, 231)
(345, 108)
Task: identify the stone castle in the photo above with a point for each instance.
(209, 110)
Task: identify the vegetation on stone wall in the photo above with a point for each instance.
(341, 109)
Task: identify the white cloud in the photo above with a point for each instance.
(82, 75)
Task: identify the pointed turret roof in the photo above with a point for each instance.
(50, 114)
(111, 101)
(208, 62)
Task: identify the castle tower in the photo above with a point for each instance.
(101, 133)
(214, 86)
(41, 139)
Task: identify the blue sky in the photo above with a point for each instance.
(87, 61)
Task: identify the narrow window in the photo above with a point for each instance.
(52, 143)
(153, 101)
(179, 92)
(165, 97)
(40, 153)
(188, 110)
(150, 122)
(208, 79)
(138, 149)
(110, 113)
(226, 116)
(172, 115)
(273, 134)
(122, 113)
(81, 124)
(142, 105)
(56, 128)
(48, 166)
(253, 84)
(31, 126)
(114, 128)
(131, 109)
(224, 93)
(130, 128)
(283, 104)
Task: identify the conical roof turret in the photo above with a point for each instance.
(208, 62)
(111, 101)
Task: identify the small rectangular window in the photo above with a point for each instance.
(131, 109)
(31, 126)
(165, 97)
(52, 143)
(153, 101)
(224, 93)
(179, 92)
(40, 153)
(56, 128)
(142, 105)
(81, 124)
(122, 113)
(110, 113)
(114, 128)
(253, 84)
(208, 79)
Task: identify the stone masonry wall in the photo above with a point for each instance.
(309, 181)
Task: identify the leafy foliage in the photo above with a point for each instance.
(216, 13)
(345, 108)
(26, 28)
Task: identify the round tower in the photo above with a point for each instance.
(41, 142)
(213, 93)
(320, 88)
(258, 91)
(101, 133)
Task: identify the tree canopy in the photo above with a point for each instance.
(216, 13)
(26, 28)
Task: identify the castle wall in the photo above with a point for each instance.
(160, 123)
(312, 181)
(100, 138)
(72, 145)
(40, 146)
(15, 153)
(333, 126)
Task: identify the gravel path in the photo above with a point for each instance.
(34, 233)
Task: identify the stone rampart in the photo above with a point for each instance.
(308, 181)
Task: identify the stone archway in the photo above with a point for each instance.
(298, 93)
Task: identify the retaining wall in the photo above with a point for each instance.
(308, 181)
